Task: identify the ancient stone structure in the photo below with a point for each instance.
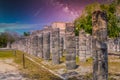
(113, 45)
(46, 44)
(70, 47)
(82, 46)
(88, 46)
(62, 27)
(85, 46)
(100, 54)
(40, 45)
(77, 45)
(35, 45)
(55, 46)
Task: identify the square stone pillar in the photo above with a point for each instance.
(82, 46)
(99, 44)
(70, 48)
(40, 45)
(55, 46)
(46, 44)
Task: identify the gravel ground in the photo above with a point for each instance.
(8, 71)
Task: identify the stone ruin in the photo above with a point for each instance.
(59, 40)
(99, 44)
(85, 46)
(55, 46)
(70, 47)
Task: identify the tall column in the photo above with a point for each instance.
(70, 47)
(35, 45)
(77, 46)
(82, 46)
(100, 54)
(46, 44)
(88, 46)
(40, 45)
(55, 46)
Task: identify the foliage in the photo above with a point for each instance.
(85, 20)
(26, 33)
(7, 37)
(32, 70)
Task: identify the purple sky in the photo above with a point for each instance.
(27, 15)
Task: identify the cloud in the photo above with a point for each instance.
(20, 28)
(66, 9)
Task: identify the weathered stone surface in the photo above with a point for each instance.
(113, 45)
(61, 46)
(82, 46)
(40, 45)
(88, 46)
(46, 44)
(35, 45)
(100, 58)
(77, 46)
(70, 48)
(55, 46)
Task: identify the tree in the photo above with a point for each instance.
(85, 21)
(7, 37)
(26, 33)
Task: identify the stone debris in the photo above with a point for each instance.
(12, 75)
(8, 71)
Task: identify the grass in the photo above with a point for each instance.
(62, 59)
(35, 72)
(6, 54)
(32, 70)
(114, 65)
(87, 63)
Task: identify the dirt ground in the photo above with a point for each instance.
(9, 71)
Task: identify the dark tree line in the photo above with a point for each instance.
(7, 37)
(10, 37)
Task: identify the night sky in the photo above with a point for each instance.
(27, 15)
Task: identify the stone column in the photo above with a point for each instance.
(35, 45)
(119, 43)
(70, 48)
(31, 46)
(40, 45)
(100, 54)
(77, 46)
(46, 44)
(55, 46)
(82, 46)
(61, 46)
(88, 46)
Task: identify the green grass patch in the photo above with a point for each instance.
(32, 70)
(77, 60)
(62, 59)
(6, 54)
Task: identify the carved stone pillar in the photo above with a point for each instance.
(55, 46)
(100, 54)
(70, 47)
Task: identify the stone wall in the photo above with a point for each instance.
(54, 41)
(113, 45)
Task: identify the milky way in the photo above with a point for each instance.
(39, 12)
